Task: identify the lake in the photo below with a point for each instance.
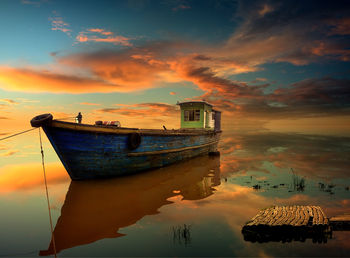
(193, 208)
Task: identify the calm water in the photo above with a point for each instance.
(195, 208)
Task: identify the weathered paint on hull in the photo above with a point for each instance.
(89, 154)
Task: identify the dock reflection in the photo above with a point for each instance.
(97, 209)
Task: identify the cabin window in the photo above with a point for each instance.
(213, 116)
(197, 115)
(192, 115)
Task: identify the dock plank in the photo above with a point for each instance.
(315, 220)
(311, 215)
(268, 216)
(326, 220)
(295, 218)
(276, 214)
(286, 216)
(307, 216)
(278, 222)
(291, 214)
(257, 220)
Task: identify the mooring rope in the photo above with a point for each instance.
(47, 193)
(17, 134)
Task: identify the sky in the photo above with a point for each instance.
(272, 65)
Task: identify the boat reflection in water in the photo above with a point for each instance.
(97, 209)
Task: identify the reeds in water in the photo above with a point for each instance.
(182, 234)
(298, 182)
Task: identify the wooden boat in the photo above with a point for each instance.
(97, 151)
(97, 209)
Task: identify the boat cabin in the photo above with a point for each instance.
(199, 115)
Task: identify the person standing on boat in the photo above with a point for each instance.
(78, 118)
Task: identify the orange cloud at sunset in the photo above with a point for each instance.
(340, 26)
(260, 39)
(57, 23)
(89, 104)
(101, 35)
(210, 69)
(9, 153)
(101, 31)
(153, 109)
(131, 70)
(30, 80)
(9, 101)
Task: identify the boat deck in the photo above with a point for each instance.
(125, 130)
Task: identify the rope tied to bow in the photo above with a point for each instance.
(47, 193)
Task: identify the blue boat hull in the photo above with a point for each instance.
(89, 152)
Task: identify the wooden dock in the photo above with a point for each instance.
(287, 223)
(295, 216)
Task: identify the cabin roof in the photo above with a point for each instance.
(194, 101)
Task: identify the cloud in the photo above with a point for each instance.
(10, 101)
(206, 79)
(172, 93)
(143, 115)
(181, 7)
(143, 110)
(224, 93)
(31, 80)
(23, 100)
(288, 31)
(98, 71)
(177, 5)
(312, 98)
(9, 153)
(159, 62)
(101, 35)
(340, 26)
(266, 8)
(4, 117)
(89, 104)
(34, 3)
(261, 79)
(118, 66)
(57, 23)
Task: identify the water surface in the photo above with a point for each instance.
(194, 208)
